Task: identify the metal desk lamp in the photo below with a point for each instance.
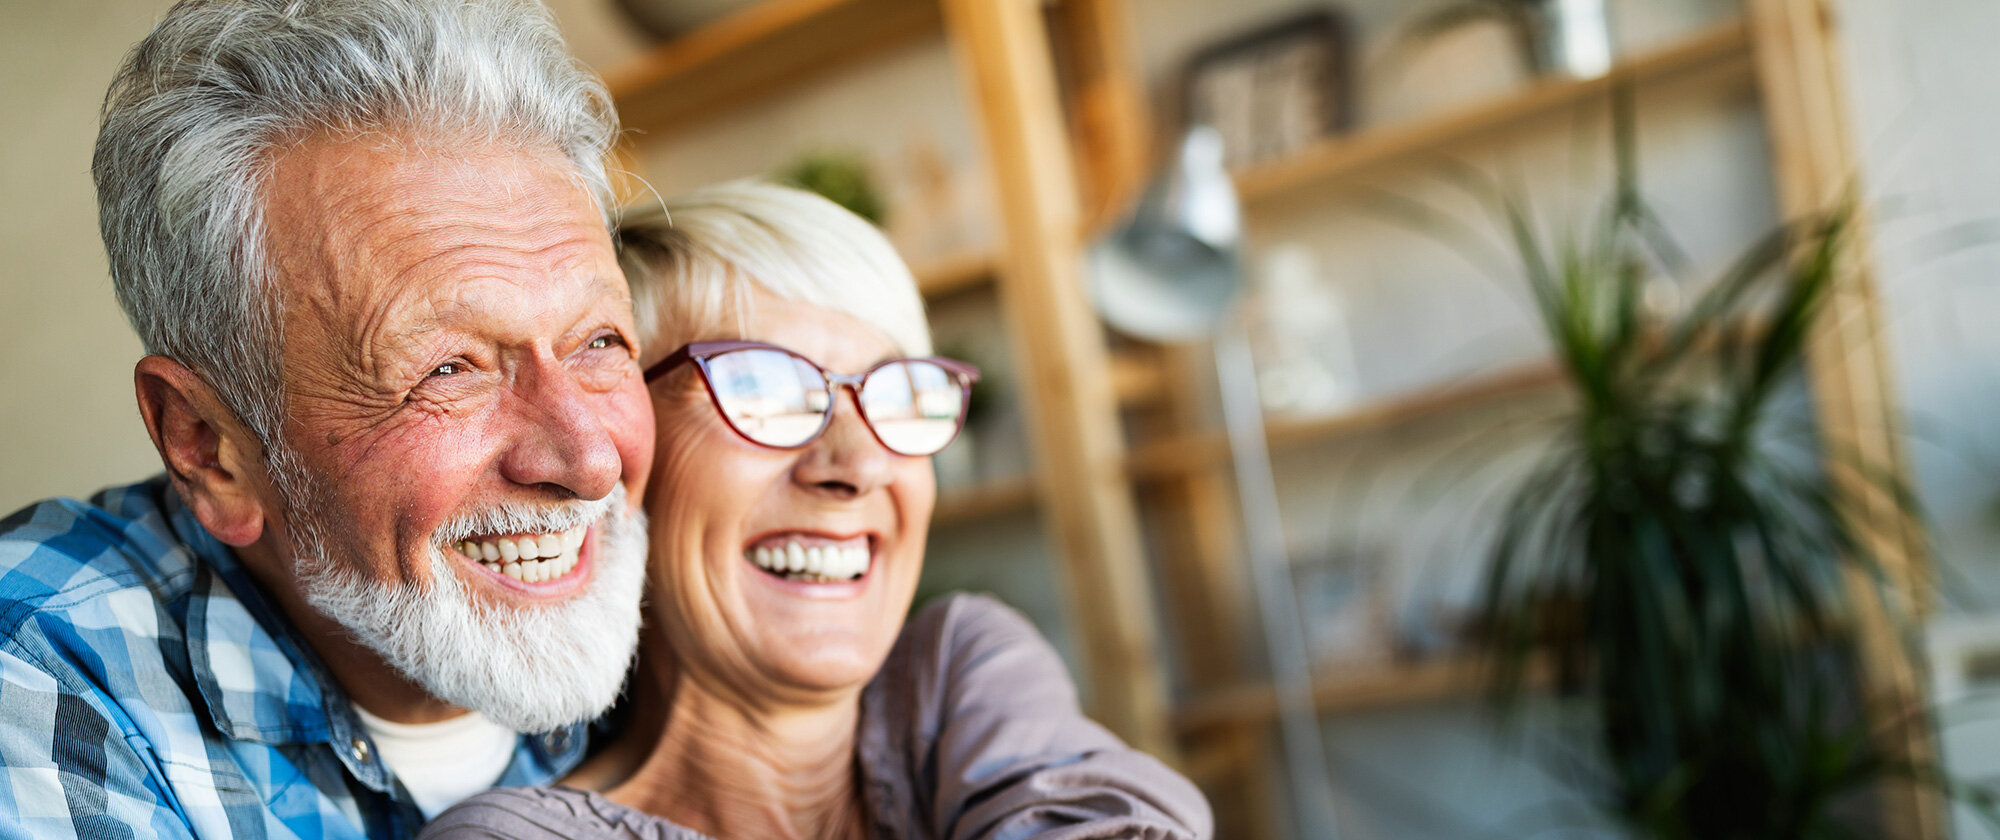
(1170, 273)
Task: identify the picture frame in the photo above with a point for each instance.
(1275, 89)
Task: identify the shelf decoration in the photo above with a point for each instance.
(1273, 91)
(1555, 37)
(1300, 337)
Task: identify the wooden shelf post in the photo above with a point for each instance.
(1799, 71)
(1072, 414)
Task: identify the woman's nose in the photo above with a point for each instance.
(846, 461)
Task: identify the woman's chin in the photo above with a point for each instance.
(821, 635)
(830, 669)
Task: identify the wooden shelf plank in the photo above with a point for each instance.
(1138, 379)
(765, 47)
(1357, 689)
(1723, 50)
(1185, 454)
(1008, 495)
(954, 273)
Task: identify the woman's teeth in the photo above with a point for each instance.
(814, 564)
(533, 558)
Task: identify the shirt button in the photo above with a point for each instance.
(360, 749)
(556, 741)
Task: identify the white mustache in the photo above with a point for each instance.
(519, 518)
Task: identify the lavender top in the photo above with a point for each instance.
(970, 731)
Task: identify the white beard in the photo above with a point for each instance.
(531, 669)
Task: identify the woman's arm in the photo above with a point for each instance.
(1012, 755)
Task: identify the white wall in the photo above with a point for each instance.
(1927, 112)
(68, 424)
(1922, 74)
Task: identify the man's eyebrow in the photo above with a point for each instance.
(619, 286)
(400, 344)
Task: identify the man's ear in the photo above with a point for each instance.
(215, 463)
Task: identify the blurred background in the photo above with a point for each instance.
(1404, 379)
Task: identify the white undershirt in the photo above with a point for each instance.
(444, 762)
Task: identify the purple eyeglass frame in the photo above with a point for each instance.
(699, 352)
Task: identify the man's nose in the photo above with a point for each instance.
(563, 441)
(846, 461)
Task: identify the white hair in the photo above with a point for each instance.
(690, 268)
(202, 106)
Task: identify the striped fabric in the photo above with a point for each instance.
(149, 689)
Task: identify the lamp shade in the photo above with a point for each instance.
(1170, 271)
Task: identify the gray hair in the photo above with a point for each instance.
(692, 266)
(202, 106)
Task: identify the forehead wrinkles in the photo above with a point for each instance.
(374, 230)
(405, 232)
(355, 205)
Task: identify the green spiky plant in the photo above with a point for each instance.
(1679, 553)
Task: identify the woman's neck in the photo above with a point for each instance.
(730, 769)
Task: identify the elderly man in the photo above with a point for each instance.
(392, 379)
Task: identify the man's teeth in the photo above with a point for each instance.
(817, 564)
(529, 559)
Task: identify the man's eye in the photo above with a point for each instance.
(447, 369)
(604, 342)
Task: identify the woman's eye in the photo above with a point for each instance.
(604, 342)
(448, 369)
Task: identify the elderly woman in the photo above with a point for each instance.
(780, 692)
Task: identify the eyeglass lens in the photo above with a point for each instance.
(778, 399)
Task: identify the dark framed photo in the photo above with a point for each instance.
(1273, 90)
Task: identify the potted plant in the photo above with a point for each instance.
(1679, 553)
(840, 176)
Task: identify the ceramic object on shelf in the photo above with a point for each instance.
(1565, 38)
(1572, 38)
(1300, 338)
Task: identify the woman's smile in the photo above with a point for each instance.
(811, 557)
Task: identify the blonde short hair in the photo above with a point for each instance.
(691, 263)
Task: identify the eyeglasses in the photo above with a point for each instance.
(777, 398)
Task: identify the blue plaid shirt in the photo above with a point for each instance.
(148, 688)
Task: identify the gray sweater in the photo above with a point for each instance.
(971, 731)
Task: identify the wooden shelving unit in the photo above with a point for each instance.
(1718, 56)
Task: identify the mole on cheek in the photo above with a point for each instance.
(333, 438)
